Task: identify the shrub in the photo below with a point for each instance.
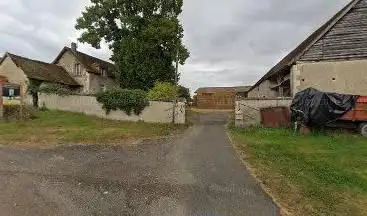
(163, 91)
(43, 108)
(127, 100)
(184, 92)
(58, 89)
(18, 112)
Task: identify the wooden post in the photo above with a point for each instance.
(21, 101)
(1, 100)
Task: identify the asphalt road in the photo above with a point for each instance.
(196, 174)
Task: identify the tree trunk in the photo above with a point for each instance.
(35, 99)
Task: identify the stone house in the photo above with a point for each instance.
(215, 98)
(332, 59)
(93, 74)
(18, 70)
(79, 71)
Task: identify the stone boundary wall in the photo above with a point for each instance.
(157, 112)
(248, 111)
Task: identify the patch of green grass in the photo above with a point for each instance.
(318, 174)
(56, 127)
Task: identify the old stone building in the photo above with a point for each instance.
(332, 59)
(84, 73)
(18, 70)
(242, 92)
(93, 74)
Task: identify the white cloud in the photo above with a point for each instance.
(232, 42)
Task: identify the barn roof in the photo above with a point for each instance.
(295, 54)
(243, 88)
(214, 89)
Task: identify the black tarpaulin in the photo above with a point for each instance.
(319, 108)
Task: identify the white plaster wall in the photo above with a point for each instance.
(345, 77)
(157, 112)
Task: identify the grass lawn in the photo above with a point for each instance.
(317, 174)
(52, 128)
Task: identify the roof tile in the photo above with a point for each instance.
(43, 71)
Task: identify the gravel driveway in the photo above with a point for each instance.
(196, 174)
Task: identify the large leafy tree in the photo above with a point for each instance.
(144, 35)
(184, 92)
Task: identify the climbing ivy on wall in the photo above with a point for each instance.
(57, 89)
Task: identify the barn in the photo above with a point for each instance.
(332, 59)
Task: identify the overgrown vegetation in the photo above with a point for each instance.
(145, 37)
(52, 128)
(58, 89)
(184, 92)
(318, 174)
(126, 100)
(18, 112)
(33, 89)
(163, 91)
(37, 86)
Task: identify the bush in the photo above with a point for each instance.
(163, 91)
(43, 108)
(18, 112)
(57, 89)
(184, 92)
(127, 100)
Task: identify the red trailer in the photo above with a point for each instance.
(358, 114)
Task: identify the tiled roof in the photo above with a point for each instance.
(243, 88)
(89, 62)
(43, 71)
(293, 56)
(215, 89)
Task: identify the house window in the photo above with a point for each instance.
(104, 72)
(77, 69)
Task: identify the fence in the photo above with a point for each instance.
(157, 112)
(248, 110)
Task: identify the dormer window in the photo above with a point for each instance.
(77, 69)
(104, 72)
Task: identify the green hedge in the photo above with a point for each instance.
(127, 100)
(163, 91)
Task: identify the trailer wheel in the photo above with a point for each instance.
(363, 129)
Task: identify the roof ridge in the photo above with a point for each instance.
(88, 55)
(25, 58)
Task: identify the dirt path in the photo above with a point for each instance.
(197, 174)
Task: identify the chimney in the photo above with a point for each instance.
(74, 47)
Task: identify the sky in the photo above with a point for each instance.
(232, 42)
